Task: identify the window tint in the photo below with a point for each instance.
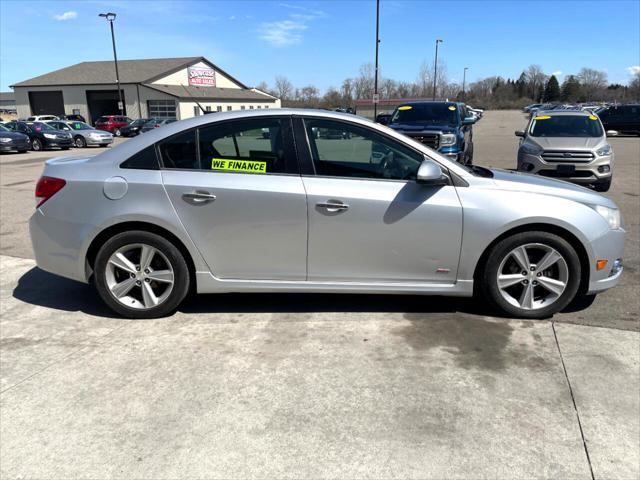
(250, 146)
(345, 150)
(145, 160)
(179, 151)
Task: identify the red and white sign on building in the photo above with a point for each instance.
(201, 76)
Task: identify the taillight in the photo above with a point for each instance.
(46, 188)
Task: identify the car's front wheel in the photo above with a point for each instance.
(36, 145)
(139, 274)
(602, 185)
(117, 132)
(531, 275)
(80, 142)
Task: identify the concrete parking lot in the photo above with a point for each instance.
(315, 386)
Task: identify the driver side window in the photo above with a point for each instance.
(341, 149)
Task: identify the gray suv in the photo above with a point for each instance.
(570, 145)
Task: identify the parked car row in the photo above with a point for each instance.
(22, 136)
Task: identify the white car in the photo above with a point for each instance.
(41, 118)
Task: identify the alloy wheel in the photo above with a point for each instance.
(532, 276)
(139, 276)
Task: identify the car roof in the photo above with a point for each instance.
(582, 113)
(140, 142)
(431, 102)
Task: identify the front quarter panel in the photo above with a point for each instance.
(490, 212)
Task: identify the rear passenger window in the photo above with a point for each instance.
(179, 151)
(143, 160)
(246, 146)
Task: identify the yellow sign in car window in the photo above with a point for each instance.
(543, 117)
(452, 107)
(593, 117)
(405, 107)
(249, 166)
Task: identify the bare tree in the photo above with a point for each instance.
(365, 82)
(284, 88)
(347, 91)
(387, 88)
(425, 78)
(536, 79)
(592, 81)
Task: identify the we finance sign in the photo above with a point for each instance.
(201, 76)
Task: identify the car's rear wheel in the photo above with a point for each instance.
(531, 275)
(36, 145)
(80, 142)
(141, 275)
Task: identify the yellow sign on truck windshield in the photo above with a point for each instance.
(248, 166)
(543, 117)
(405, 107)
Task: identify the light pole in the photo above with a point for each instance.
(375, 81)
(435, 69)
(464, 79)
(110, 18)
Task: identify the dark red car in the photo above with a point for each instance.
(112, 123)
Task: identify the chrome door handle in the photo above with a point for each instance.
(333, 206)
(198, 197)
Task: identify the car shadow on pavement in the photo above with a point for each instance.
(37, 287)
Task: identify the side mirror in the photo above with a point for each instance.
(519, 133)
(383, 119)
(612, 133)
(430, 173)
(469, 121)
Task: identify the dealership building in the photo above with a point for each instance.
(162, 87)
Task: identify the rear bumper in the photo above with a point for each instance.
(609, 247)
(57, 245)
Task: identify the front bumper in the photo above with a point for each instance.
(596, 170)
(609, 247)
(99, 141)
(8, 147)
(66, 143)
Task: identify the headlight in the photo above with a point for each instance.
(606, 150)
(5, 140)
(48, 135)
(447, 139)
(531, 149)
(611, 215)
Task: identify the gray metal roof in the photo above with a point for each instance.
(7, 97)
(211, 93)
(130, 71)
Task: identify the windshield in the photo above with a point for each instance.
(39, 126)
(138, 122)
(80, 126)
(434, 113)
(4, 129)
(566, 126)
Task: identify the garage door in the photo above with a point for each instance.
(46, 103)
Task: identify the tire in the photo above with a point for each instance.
(109, 278)
(22, 151)
(36, 145)
(80, 142)
(566, 270)
(117, 132)
(602, 186)
(104, 145)
(65, 148)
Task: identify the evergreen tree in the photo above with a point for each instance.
(570, 89)
(551, 90)
(521, 85)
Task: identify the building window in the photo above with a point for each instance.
(241, 107)
(266, 106)
(208, 108)
(219, 108)
(229, 108)
(250, 107)
(196, 111)
(162, 108)
(259, 107)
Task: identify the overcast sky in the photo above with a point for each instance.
(323, 42)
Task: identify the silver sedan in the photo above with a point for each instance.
(212, 204)
(84, 135)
